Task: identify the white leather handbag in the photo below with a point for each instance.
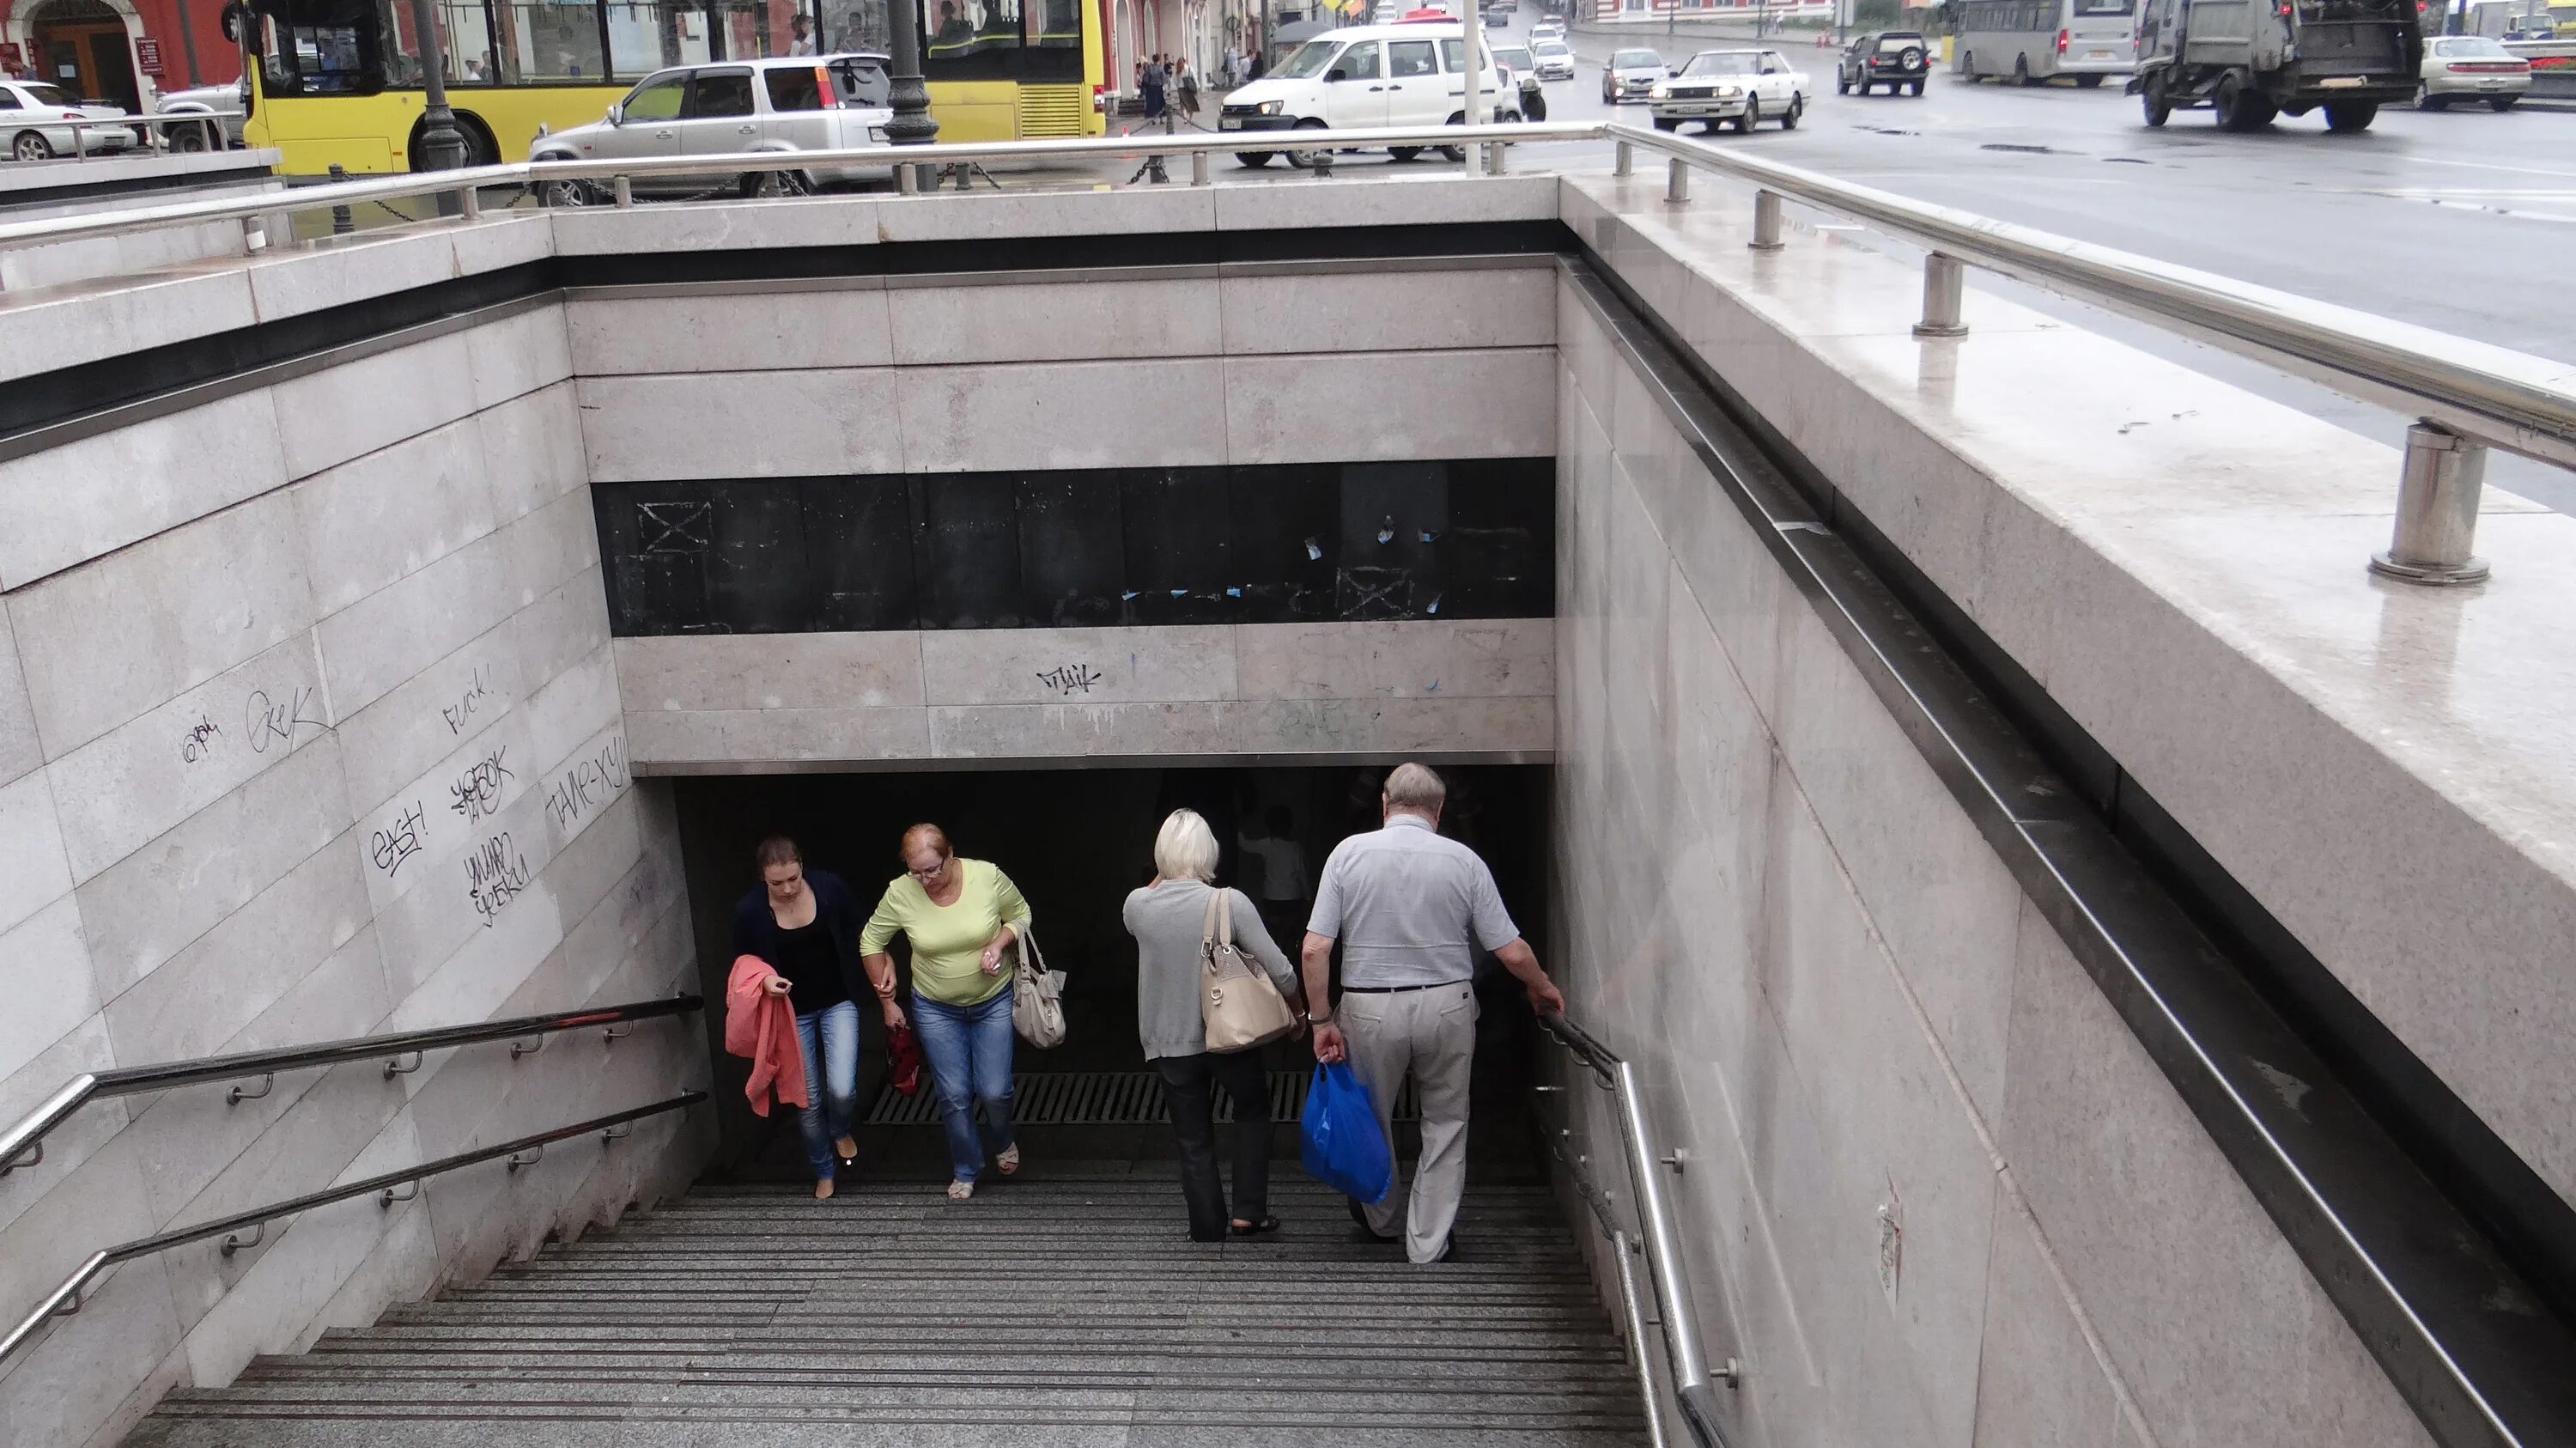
(1037, 994)
(1238, 1003)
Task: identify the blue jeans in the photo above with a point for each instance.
(832, 1035)
(969, 1050)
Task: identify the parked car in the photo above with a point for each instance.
(1516, 62)
(32, 114)
(1896, 59)
(1407, 74)
(799, 103)
(1630, 75)
(1555, 59)
(231, 100)
(1746, 87)
(1548, 29)
(2471, 67)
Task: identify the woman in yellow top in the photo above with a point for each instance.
(960, 915)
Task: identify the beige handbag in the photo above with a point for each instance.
(1241, 1007)
(1037, 994)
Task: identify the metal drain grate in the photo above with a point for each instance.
(1107, 1098)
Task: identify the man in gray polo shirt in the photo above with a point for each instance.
(1410, 907)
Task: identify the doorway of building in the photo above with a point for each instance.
(84, 47)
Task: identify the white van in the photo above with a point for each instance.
(1411, 73)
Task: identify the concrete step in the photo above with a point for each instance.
(1065, 1308)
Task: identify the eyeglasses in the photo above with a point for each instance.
(930, 874)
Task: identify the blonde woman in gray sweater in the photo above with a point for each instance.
(1166, 917)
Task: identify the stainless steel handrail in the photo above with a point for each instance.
(1692, 1384)
(26, 1136)
(66, 1299)
(2460, 389)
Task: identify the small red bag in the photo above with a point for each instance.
(903, 1054)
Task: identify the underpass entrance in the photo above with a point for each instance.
(1076, 841)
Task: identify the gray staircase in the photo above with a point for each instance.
(1064, 1308)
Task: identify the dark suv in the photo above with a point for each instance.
(1896, 59)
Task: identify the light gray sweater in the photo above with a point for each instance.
(1165, 920)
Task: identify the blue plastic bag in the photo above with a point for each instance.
(1345, 1149)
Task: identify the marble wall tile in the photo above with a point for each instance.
(770, 671)
(1078, 666)
(223, 979)
(72, 503)
(709, 331)
(836, 420)
(2211, 1319)
(20, 749)
(503, 239)
(133, 784)
(47, 1003)
(1386, 201)
(1391, 310)
(2039, 1381)
(532, 450)
(186, 605)
(148, 311)
(717, 226)
(822, 734)
(1420, 658)
(1146, 413)
(1056, 731)
(562, 627)
(389, 636)
(99, 1203)
(1522, 727)
(518, 355)
(288, 282)
(34, 870)
(347, 411)
(149, 905)
(84, 1048)
(549, 546)
(1476, 404)
(948, 325)
(982, 215)
(401, 735)
(76, 1374)
(377, 519)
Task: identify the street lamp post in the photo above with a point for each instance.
(442, 145)
(906, 94)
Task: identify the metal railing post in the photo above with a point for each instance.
(622, 189)
(469, 203)
(1633, 1308)
(1944, 291)
(1766, 221)
(1626, 162)
(2437, 510)
(341, 222)
(907, 181)
(1198, 168)
(1676, 180)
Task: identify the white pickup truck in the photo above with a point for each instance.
(1746, 87)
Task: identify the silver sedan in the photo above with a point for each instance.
(34, 118)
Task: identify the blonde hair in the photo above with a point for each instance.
(1414, 786)
(920, 835)
(1185, 849)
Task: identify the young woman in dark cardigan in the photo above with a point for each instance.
(805, 924)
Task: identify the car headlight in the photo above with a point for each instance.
(1661, 92)
(1267, 108)
(1728, 90)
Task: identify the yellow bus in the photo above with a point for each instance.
(341, 80)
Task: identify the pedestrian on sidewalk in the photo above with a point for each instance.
(963, 918)
(1187, 82)
(1152, 81)
(1410, 907)
(1170, 919)
(804, 925)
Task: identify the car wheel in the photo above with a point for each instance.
(2349, 118)
(1914, 89)
(1455, 153)
(1968, 66)
(776, 183)
(2239, 109)
(2501, 104)
(1404, 153)
(190, 138)
(1752, 116)
(1668, 123)
(2088, 82)
(2021, 71)
(31, 146)
(1797, 108)
(1842, 84)
(1254, 159)
(569, 194)
(2151, 99)
(2425, 100)
(1305, 159)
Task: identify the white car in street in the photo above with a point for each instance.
(1411, 73)
(1547, 30)
(1555, 59)
(799, 103)
(1746, 87)
(2471, 68)
(33, 116)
